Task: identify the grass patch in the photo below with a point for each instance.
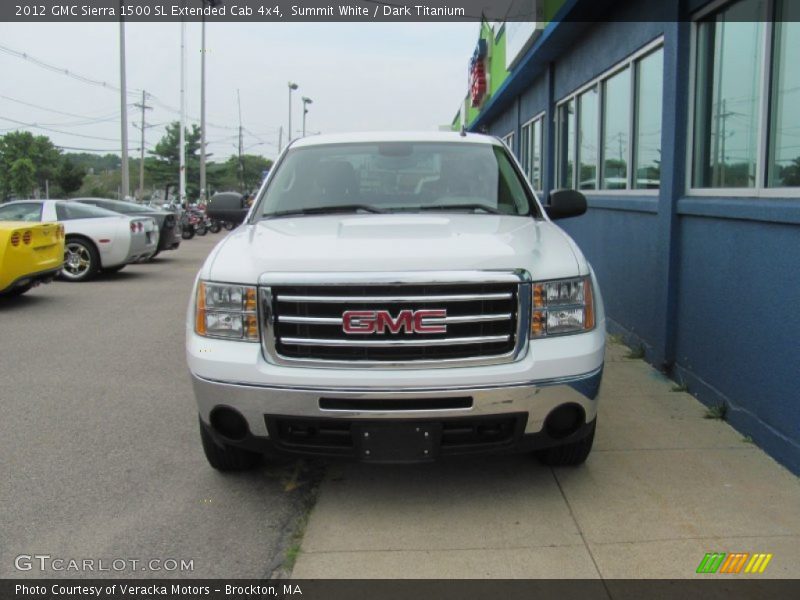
(635, 353)
(615, 338)
(680, 387)
(717, 412)
(292, 552)
(748, 440)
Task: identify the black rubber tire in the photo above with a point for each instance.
(229, 226)
(227, 458)
(116, 269)
(187, 234)
(215, 227)
(202, 230)
(94, 260)
(568, 455)
(17, 291)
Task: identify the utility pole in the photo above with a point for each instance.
(203, 109)
(280, 139)
(123, 101)
(144, 107)
(184, 200)
(241, 141)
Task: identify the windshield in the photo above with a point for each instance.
(396, 177)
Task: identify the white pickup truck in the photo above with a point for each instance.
(397, 298)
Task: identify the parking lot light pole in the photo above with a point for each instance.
(292, 86)
(306, 102)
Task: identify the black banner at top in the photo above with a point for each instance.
(272, 11)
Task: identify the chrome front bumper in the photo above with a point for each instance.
(536, 399)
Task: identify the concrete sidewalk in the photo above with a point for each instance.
(662, 487)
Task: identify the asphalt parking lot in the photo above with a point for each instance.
(102, 461)
(101, 454)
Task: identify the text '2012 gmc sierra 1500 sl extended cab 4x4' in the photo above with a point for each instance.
(397, 298)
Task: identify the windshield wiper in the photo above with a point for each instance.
(322, 210)
(482, 207)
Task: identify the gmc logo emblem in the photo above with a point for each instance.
(381, 321)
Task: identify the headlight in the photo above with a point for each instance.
(562, 307)
(226, 311)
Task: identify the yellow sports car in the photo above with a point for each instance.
(30, 254)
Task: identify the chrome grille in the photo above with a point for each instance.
(304, 323)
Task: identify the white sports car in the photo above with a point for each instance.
(96, 239)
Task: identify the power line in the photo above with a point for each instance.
(35, 126)
(109, 150)
(98, 83)
(52, 110)
(49, 67)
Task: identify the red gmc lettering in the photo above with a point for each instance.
(379, 321)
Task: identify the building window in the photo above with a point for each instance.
(727, 96)
(616, 126)
(747, 97)
(531, 151)
(537, 156)
(647, 125)
(566, 144)
(627, 98)
(784, 144)
(588, 109)
(508, 140)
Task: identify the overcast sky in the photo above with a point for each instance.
(371, 76)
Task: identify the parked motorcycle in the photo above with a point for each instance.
(191, 224)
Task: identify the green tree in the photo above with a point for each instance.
(70, 177)
(22, 176)
(164, 165)
(44, 156)
(791, 173)
(226, 176)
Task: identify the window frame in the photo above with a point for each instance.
(530, 123)
(628, 62)
(508, 140)
(761, 189)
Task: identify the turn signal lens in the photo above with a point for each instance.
(226, 311)
(562, 307)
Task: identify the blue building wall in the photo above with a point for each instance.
(708, 286)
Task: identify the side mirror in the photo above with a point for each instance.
(565, 204)
(227, 206)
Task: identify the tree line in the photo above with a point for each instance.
(32, 166)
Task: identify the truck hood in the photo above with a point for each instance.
(417, 242)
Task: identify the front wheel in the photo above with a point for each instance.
(229, 225)
(202, 230)
(81, 261)
(569, 455)
(226, 458)
(215, 227)
(187, 233)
